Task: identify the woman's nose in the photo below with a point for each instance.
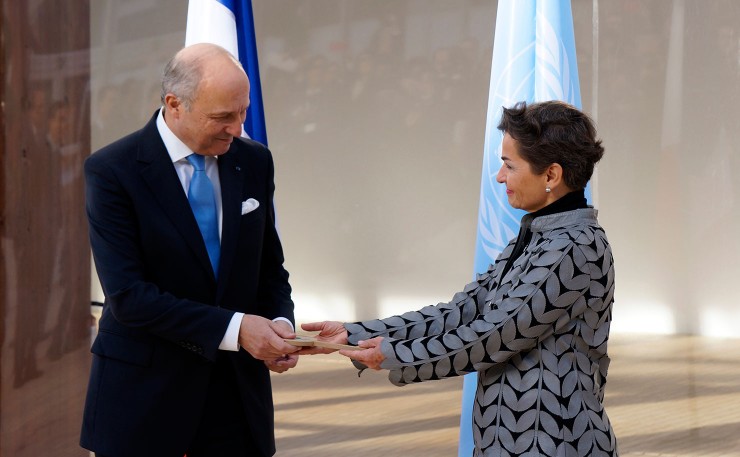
(500, 175)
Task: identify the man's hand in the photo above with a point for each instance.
(288, 361)
(263, 338)
(330, 331)
(282, 364)
(371, 356)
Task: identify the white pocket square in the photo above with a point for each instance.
(249, 205)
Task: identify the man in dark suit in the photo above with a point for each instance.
(187, 335)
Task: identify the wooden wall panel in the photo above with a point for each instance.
(45, 266)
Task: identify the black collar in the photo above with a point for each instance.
(568, 202)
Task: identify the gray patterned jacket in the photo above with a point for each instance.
(537, 338)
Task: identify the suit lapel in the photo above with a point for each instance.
(158, 172)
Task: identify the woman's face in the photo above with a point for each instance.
(524, 189)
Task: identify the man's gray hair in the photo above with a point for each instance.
(181, 77)
(183, 72)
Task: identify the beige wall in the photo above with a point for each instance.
(376, 113)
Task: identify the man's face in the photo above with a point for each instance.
(217, 113)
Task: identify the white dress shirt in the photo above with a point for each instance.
(179, 152)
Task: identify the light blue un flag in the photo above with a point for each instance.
(230, 24)
(534, 59)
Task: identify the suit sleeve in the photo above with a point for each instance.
(571, 278)
(274, 289)
(134, 301)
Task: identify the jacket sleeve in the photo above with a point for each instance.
(569, 276)
(464, 308)
(274, 293)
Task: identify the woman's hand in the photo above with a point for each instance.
(329, 331)
(370, 356)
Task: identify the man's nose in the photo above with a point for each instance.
(235, 128)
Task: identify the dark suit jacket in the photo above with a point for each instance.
(165, 313)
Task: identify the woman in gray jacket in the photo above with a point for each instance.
(535, 325)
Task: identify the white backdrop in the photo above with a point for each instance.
(376, 113)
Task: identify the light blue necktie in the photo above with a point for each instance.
(203, 202)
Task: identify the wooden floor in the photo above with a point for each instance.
(666, 396)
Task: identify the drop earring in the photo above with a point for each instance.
(547, 189)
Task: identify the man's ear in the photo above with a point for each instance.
(172, 104)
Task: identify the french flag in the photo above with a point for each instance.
(230, 24)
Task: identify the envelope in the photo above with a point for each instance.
(310, 341)
(249, 205)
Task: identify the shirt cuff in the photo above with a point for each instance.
(286, 320)
(230, 342)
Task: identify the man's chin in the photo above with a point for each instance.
(221, 148)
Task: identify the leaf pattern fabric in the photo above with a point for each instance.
(536, 336)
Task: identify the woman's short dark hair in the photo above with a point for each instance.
(554, 132)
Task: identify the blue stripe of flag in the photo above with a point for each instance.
(247, 45)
